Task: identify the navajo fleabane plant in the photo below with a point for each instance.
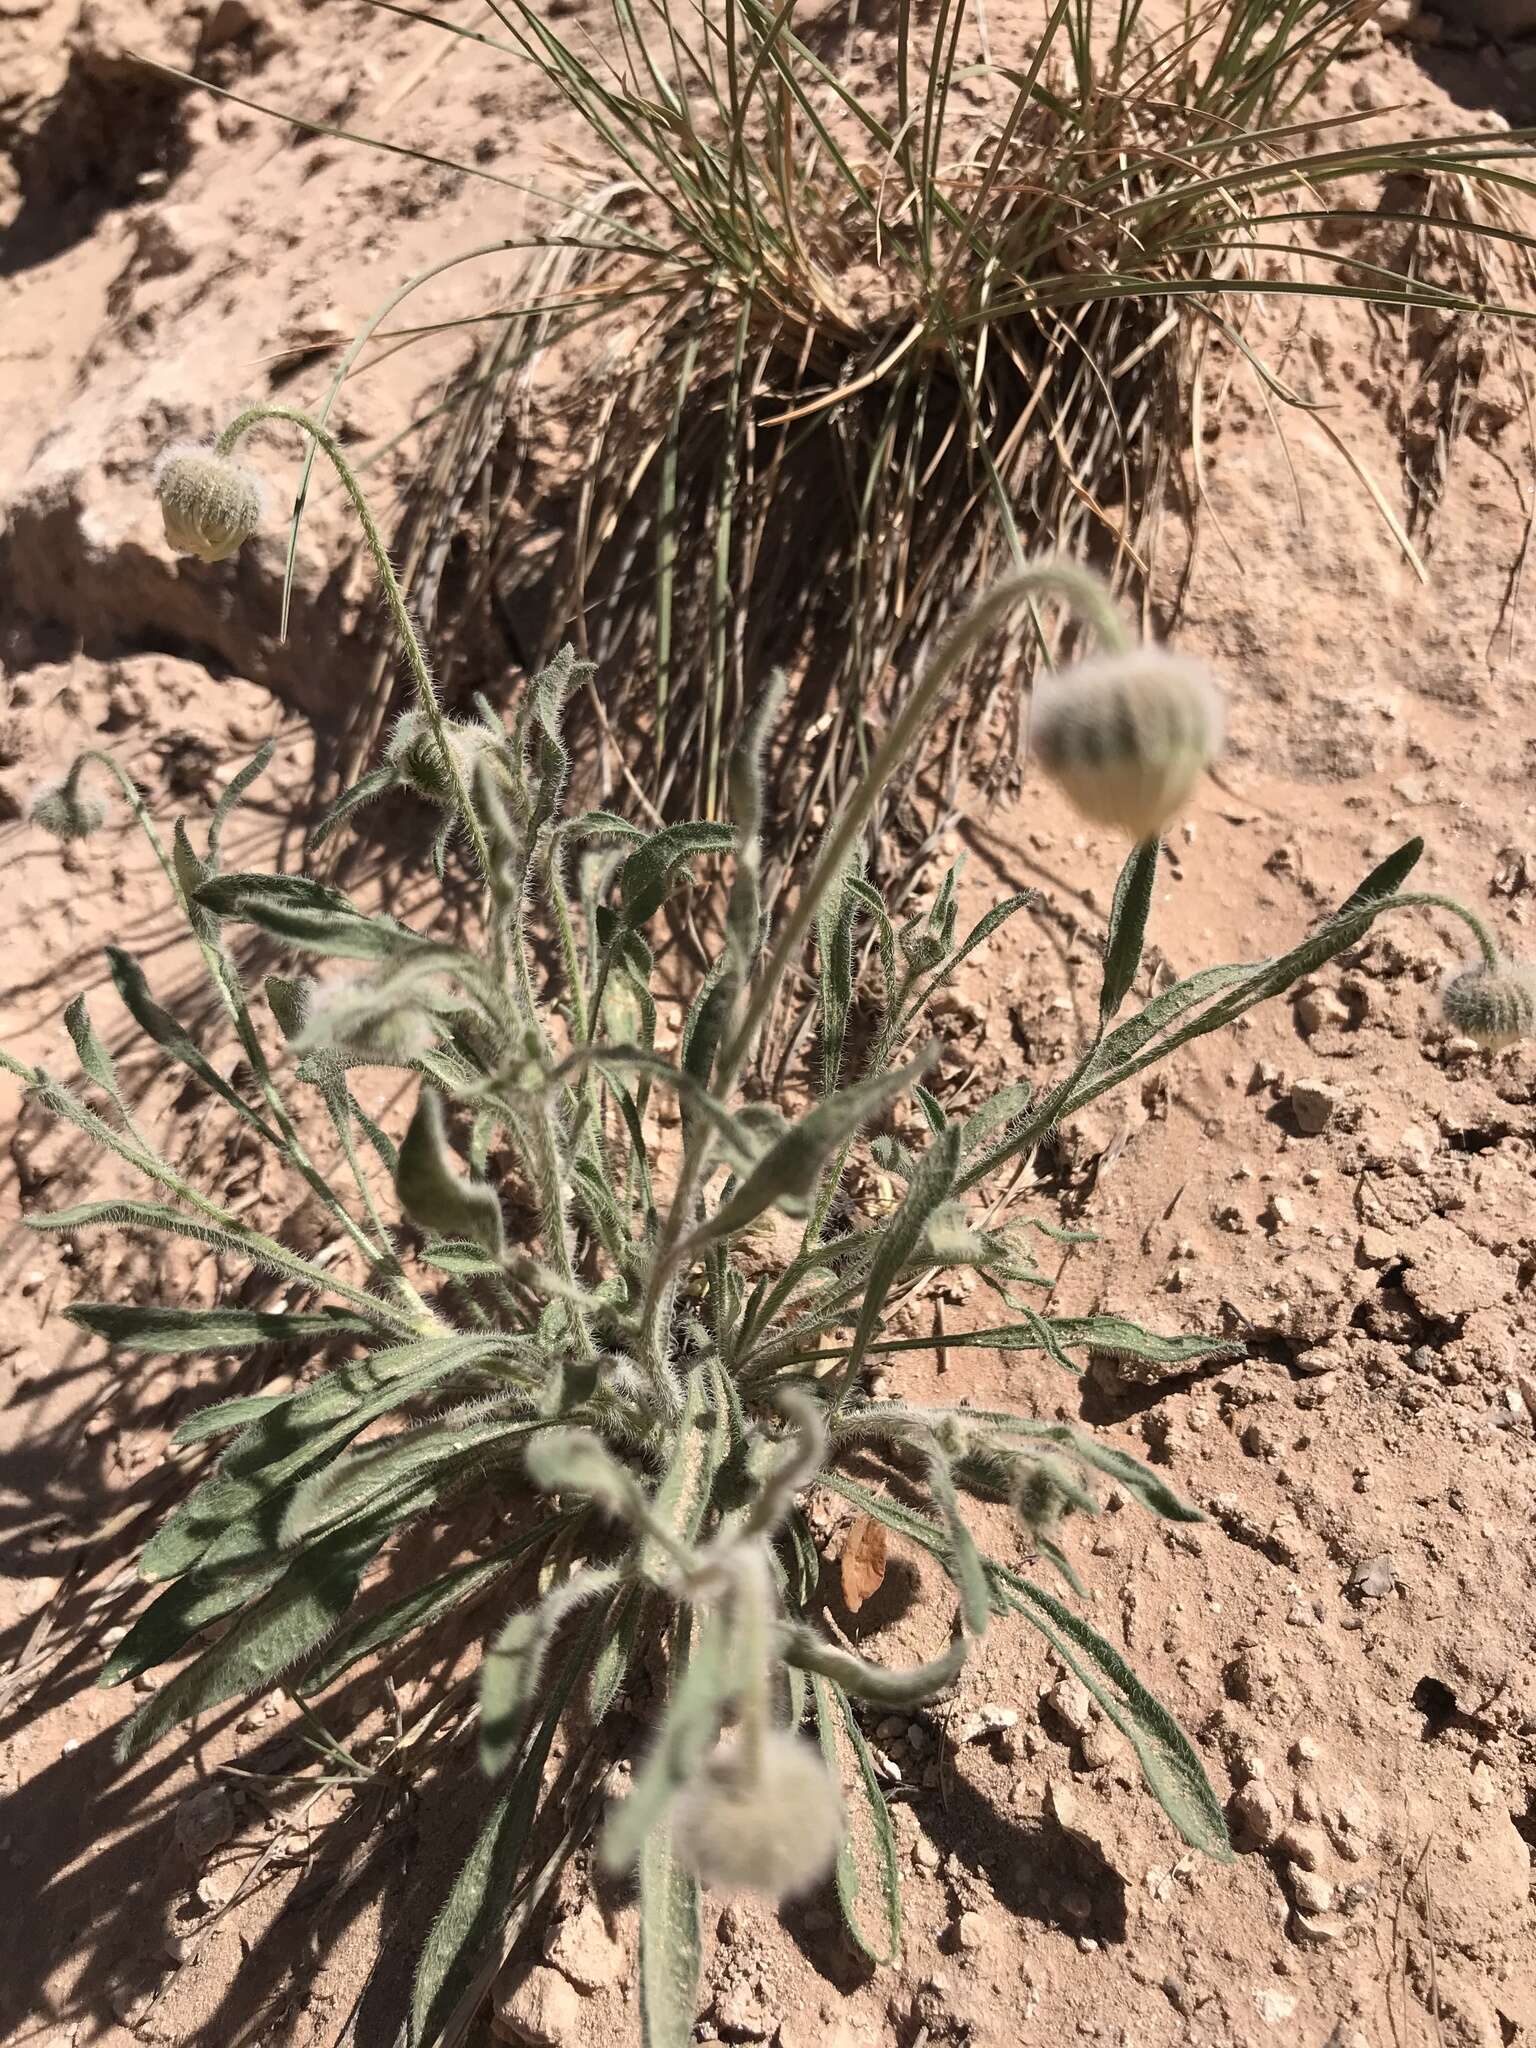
(641, 1410)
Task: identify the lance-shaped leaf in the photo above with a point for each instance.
(92, 1054)
(649, 874)
(930, 1186)
(416, 1461)
(161, 1026)
(182, 1611)
(1128, 927)
(474, 1917)
(305, 914)
(1174, 1774)
(298, 1434)
(788, 1171)
(225, 1415)
(807, 1650)
(303, 1607)
(164, 1331)
(512, 1674)
(670, 1950)
(435, 1193)
(870, 1840)
(231, 794)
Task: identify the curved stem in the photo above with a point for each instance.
(1080, 589)
(1083, 592)
(1424, 900)
(394, 599)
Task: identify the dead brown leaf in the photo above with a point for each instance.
(862, 1563)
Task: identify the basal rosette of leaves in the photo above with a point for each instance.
(645, 1407)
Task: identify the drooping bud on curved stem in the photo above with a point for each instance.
(210, 503)
(68, 809)
(1494, 1006)
(1128, 736)
(764, 1813)
(394, 599)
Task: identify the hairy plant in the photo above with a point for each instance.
(859, 339)
(638, 1396)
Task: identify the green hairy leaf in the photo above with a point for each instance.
(670, 1948)
(305, 1605)
(167, 1330)
(396, 1619)
(879, 1939)
(1128, 928)
(432, 1190)
(651, 872)
(306, 914)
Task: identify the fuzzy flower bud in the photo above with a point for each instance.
(417, 760)
(777, 1830)
(352, 1014)
(210, 503)
(1128, 736)
(1493, 1006)
(68, 810)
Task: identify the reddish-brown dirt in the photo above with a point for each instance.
(1349, 1635)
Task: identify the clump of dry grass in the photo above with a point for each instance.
(858, 338)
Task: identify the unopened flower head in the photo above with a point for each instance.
(776, 1830)
(417, 759)
(68, 809)
(1128, 736)
(1493, 1006)
(352, 1014)
(210, 502)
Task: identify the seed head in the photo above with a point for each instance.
(1128, 735)
(775, 1831)
(210, 503)
(68, 809)
(1493, 1006)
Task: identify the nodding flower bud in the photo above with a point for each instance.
(1128, 735)
(1493, 1006)
(210, 503)
(417, 759)
(776, 1829)
(67, 809)
(352, 1014)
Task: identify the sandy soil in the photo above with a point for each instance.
(1349, 1635)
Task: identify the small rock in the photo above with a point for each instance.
(740, 2013)
(1376, 1248)
(1320, 1010)
(1309, 1892)
(925, 1853)
(1068, 1700)
(1317, 1929)
(1255, 1815)
(583, 1949)
(1314, 1105)
(1374, 1579)
(541, 2010)
(205, 1820)
(971, 1931)
(1302, 1846)
(1280, 1212)
(1274, 2007)
(1305, 1804)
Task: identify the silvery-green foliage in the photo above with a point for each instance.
(641, 1406)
